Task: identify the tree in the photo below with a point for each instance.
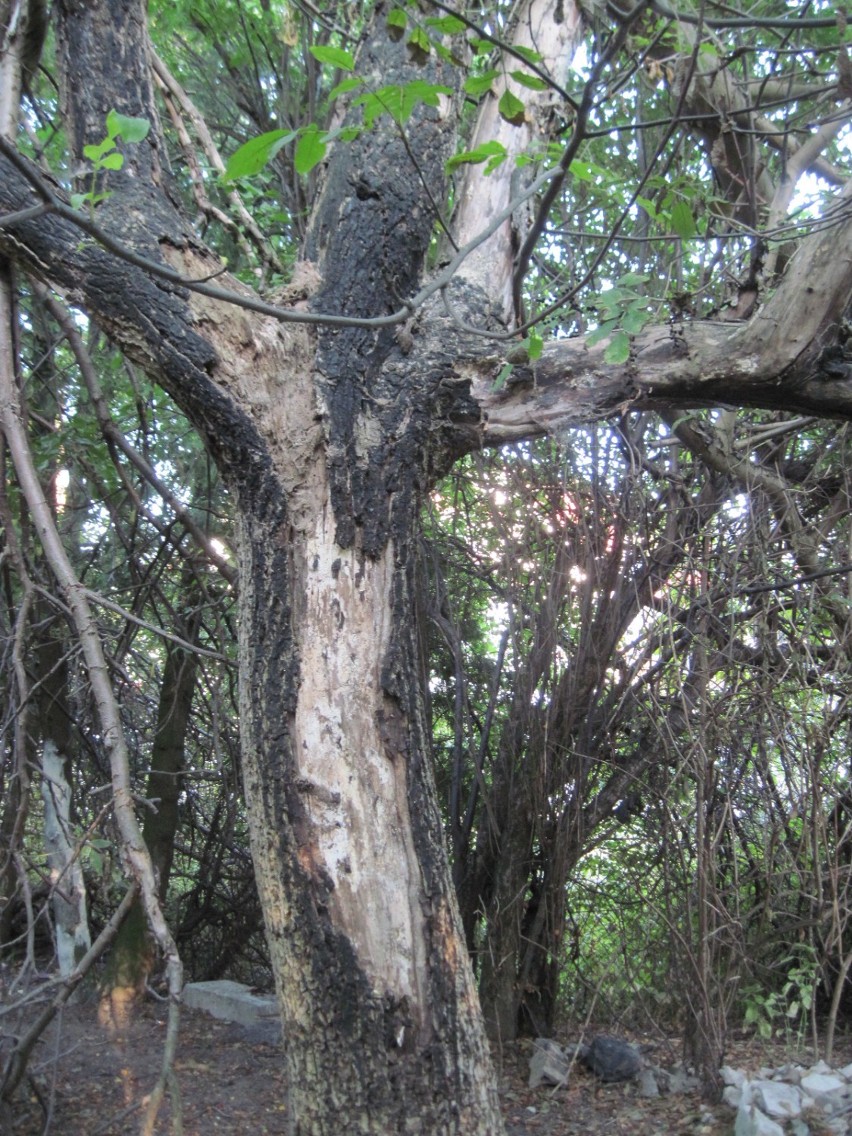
(331, 413)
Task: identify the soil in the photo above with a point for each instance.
(87, 1079)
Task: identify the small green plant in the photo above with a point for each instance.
(624, 312)
(105, 155)
(762, 1011)
(787, 1010)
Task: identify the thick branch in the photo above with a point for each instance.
(792, 355)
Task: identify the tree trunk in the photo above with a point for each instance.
(68, 888)
(134, 951)
(377, 998)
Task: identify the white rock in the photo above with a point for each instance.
(820, 1067)
(777, 1099)
(846, 1072)
(648, 1086)
(231, 1001)
(548, 1063)
(840, 1101)
(752, 1122)
(732, 1096)
(819, 1084)
(790, 1073)
(682, 1081)
(732, 1076)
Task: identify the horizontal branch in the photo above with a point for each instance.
(792, 355)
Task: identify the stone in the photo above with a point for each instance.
(682, 1081)
(778, 1099)
(752, 1122)
(819, 1084)
(548, 1064)
(648, 1086)
(791, 1073)
(230, 1001)
(732, 1076)
(837, 1102)
(612, 1059)
(732, 1095)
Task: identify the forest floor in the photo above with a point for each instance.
(89, 1080)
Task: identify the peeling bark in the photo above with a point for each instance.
(68, 899)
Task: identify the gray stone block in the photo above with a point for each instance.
(230, 1001)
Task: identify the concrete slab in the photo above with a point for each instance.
(230, 1001)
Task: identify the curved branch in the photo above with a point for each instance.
(783, 358)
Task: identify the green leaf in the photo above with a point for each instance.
(494, 150)
(419, 45)
(397, 22)
(131, 129)
(535, 345)
(113, 161)
(511, 108)
(588, 171)
(253, 155)
(533, 82)
(683, 221)
(399, 102)
(477, 85)
(78, 200)
(530, 55)
(500, 381)
(375, 106)
(95, 151)
(310, 150)
(631, 279)
(603, 332)
(343, 133)
(619, 348)
(336, 56)
(446, 25)
(344, 87)
(634, 320)
(649, 206)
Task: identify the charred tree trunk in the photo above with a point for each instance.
(327, 443)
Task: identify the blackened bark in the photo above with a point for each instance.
(387, 1032)
(370, 233)
(378, 1001)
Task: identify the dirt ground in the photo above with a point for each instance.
(85, 1080)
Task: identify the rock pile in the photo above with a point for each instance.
(609, 1058)
(789, 1100)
